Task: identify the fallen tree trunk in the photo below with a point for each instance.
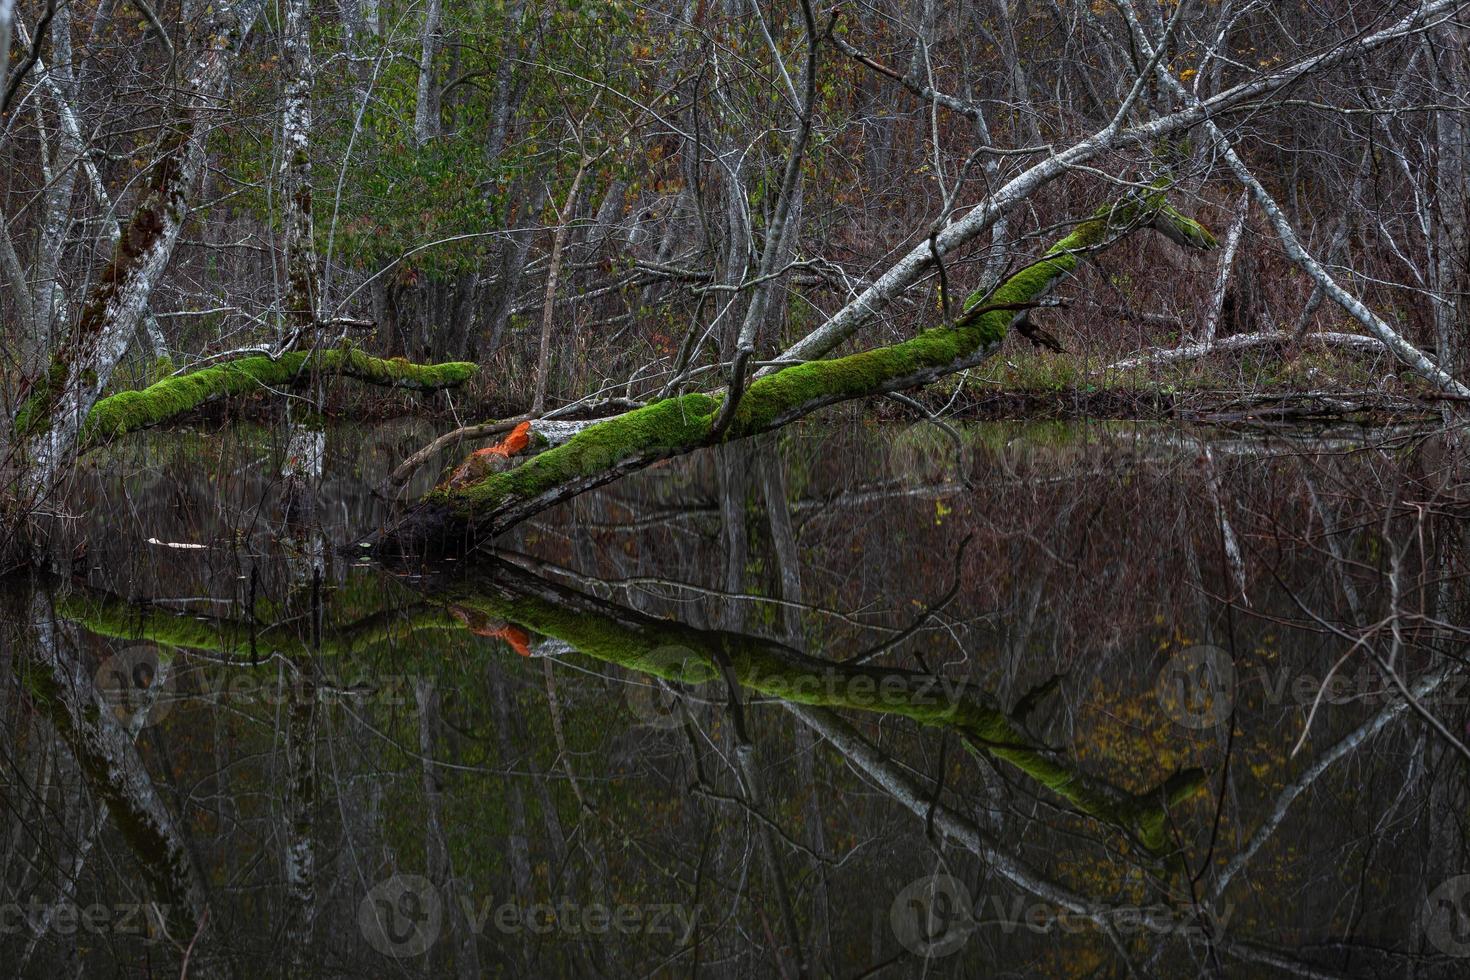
(128, 411)
(1246, 341)
(454, 519)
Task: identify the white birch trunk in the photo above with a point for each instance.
(1222, 277)
(302, 300)
(426, 110)
(109, 317)
(49, 307)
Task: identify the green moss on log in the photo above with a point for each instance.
(685, 423)
(108, 615)
(670, 425)
(129, 411)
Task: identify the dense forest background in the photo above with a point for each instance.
(610, 172)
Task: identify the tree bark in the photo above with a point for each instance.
(1222, 277)
(426, 108)
(303, 272)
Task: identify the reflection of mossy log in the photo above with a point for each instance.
(451, 518)
(109, 615)
(128, 411)
(677, 652)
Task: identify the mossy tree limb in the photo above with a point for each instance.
(451, 519)
(129, 411)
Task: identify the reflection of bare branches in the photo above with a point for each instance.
(930, 611)
(115, 773)
(1422, 688)
(675, 585)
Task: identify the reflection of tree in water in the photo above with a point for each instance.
(790, 800)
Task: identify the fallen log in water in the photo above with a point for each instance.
(453, 519)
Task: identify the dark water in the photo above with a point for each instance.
(1009, 700)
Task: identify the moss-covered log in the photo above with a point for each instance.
(673, 651)
(128, 411)
(453, 519)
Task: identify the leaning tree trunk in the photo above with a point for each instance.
(455, 518)
(80, 367)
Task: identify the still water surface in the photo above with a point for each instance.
(1070, 699)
